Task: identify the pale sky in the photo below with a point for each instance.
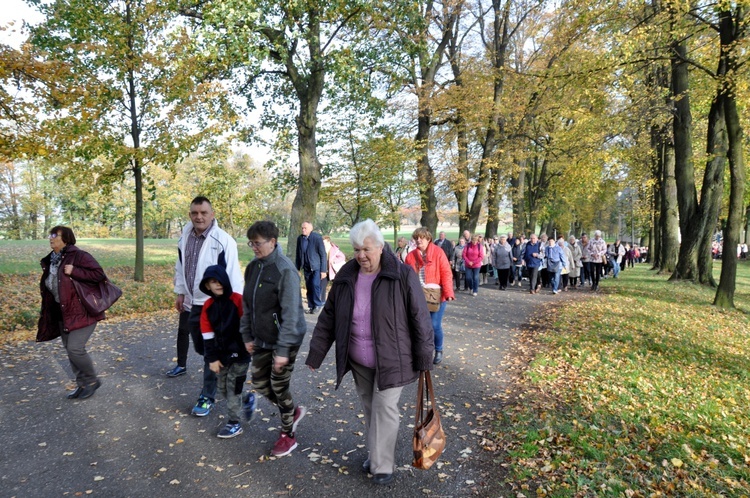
(12, 15)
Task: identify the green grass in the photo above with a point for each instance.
(640, 391)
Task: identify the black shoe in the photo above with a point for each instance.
(366, 466)
(177, 371)
(312, 311)
(438, 357)
(382, 478)
(75, 393)
(89, 390)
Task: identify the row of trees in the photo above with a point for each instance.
(35, 195)
(547, 108)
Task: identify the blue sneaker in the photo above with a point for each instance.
(230, 430)
(177, 371)
(248, 406)
(203, 406)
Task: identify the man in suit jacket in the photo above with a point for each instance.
(445, 245)
(311, 259)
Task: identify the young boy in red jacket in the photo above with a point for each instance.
(224, 350)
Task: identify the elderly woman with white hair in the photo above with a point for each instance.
(377, 315)
(597, 249)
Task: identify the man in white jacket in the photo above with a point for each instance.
(201, 245)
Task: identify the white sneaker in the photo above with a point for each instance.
(474, 294)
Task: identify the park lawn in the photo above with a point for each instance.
(640, 390)
(20, 273)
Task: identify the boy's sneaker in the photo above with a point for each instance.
(230, 430)
(203, 406)
(284, 445)
(299, 414)
(177, 371)
(248, 406)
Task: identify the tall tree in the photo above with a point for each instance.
(684, 171)
(133, 98)
(418, 35)
(733, 31)
(283, 52)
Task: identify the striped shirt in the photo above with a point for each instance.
(192, 254)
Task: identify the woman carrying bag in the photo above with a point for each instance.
(377, 315)
(434, 270)
(63, 313)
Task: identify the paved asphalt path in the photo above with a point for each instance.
(136, 438)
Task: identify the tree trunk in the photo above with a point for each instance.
(138, 275)
(658, 147)
(747, 225)
(712, 190)
(730, 34)
(493, 204)
(305, 201)
(687, 196)
(425, 173)
(462, 181)
(670, 226)
(135, 161)
(518, 184)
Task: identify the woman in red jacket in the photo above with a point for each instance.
(473, 257)
(433, 268)
(62, 312)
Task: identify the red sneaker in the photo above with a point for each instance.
(284, 445)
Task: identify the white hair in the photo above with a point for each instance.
(598, 233)
(364, 230)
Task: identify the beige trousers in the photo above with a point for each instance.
(382, 419)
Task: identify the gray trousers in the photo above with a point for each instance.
(230, 381)
(80, 361)
(381, 418)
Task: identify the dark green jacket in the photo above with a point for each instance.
(272, 304)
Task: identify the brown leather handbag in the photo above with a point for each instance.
(429, 439)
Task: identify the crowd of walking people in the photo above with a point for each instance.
(543, 261)
(381, 311)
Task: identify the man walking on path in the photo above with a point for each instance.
(445, 245)
(311, 259)
(201, 245)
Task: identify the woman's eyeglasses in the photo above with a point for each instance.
(256, 243)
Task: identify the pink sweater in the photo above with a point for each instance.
(361, 344)
(473, 255)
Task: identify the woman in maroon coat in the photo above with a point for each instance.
(62, 313)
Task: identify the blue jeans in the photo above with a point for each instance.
(615, 268)
(312, 284)
(518, 272)
(437, 325)
(472, 279)
(555, 280)
(209, 378)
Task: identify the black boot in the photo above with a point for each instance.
(438, 357)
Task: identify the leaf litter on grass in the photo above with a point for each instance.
(638, 392)
(19, 312)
